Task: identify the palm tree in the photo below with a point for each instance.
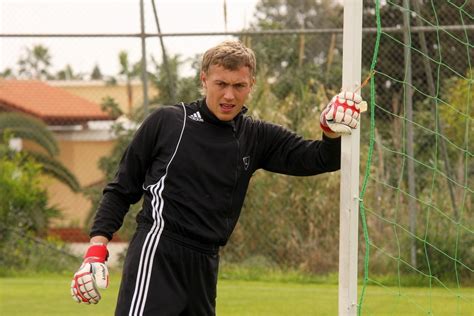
(27, 127)
(36, 63)
(129, 72)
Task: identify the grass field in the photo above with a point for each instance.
(49, 295)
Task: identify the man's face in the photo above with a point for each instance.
(226, 90)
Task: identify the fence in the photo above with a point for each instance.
(287, 222)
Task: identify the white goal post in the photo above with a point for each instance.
(349, 189)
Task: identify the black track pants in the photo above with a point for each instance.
(174, 278)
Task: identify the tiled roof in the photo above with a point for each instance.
(50, 104)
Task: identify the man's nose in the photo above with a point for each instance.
(229, 93)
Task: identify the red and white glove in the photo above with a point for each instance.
(92, 275)
(342, 113)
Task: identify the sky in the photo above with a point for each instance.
(114, 16)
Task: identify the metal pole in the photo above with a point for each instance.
(166, 64)
(349, 191)
(143, 68)
(395, 29)
(409, 128)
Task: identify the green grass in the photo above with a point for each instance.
(49, 295)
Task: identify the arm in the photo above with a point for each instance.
(283, 151)
(290, 154)
(124, 190)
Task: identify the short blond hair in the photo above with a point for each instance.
(231, 55)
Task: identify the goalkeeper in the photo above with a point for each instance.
(192, 164)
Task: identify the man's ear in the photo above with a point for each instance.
(203, 79)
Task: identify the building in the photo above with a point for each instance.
(97, 90)
(82, 130)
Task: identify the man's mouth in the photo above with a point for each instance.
(226, 107)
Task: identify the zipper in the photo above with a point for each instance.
(236, 176)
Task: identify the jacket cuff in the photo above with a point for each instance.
(331, 140)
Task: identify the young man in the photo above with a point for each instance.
(192, 164)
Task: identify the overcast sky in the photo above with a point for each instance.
(113, 16)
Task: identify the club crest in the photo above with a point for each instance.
(246, 161)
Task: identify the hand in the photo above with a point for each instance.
(342, 113)
(92, 274)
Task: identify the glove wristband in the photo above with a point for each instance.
(325, 128)
(323, 123)
(96, 253)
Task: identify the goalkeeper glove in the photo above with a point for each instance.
(92, 275)
(342, 113)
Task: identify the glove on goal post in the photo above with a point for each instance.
(342, 113)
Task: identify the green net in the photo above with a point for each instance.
(417, 193)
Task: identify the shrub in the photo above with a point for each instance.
(24, 217)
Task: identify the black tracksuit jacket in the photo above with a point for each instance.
(194, 170)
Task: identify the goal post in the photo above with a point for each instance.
(350, 150)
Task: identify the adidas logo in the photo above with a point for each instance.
(196, 117)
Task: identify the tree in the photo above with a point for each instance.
(129, 72)
(68, 74)
(23, 203)
(459, 130)
(436, 56)
(35, 64)
(96, 74)
(24, 210)
(111, 106)
(26, 127)
(185, 89)
(448, 47)
(294, 59)
(7, 73)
